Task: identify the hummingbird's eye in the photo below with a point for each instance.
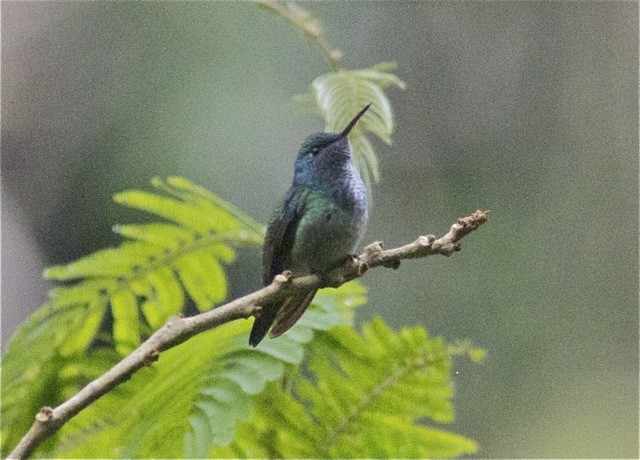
(315, 151)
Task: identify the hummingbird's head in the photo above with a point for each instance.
(324, 155)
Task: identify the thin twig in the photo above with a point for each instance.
(310, 28)
(179, 329)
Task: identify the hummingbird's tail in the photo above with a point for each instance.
(290, 313)
(280, 316)
(263, 322)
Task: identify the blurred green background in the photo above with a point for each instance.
(529, 109)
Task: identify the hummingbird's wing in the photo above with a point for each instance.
(276, 258)
(281, 234)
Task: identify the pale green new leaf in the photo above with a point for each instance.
(340, 95)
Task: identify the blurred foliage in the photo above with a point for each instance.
(360, 398)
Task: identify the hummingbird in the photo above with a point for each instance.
(316, 228)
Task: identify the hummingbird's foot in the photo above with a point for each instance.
(283, 277)
(357, 263)
(352, 264)
(344, 270)
(352, 260)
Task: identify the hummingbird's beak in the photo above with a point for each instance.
(353, 122)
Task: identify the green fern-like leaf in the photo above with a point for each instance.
(143, 281)
(364, 398)
(196, 394)
(150, 275)
(30, 376)
(340, 95)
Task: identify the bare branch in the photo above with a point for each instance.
(179, 329)
(310, 28)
